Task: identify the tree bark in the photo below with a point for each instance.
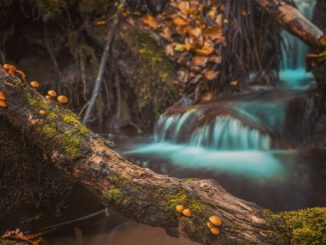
(294, 22)
(135, 192)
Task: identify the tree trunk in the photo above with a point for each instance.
(135, 192)
(295, 22)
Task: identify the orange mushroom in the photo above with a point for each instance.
(42, 112)
(3, 103)
(215, 220)
(34, 84)
(2, 96)
(186, 212)
(215, 231)
(6, 66)
(52, 93)
(179, 208)
(21, 73)
(48, 97)
(12, 70)
(63, 99)
(210, 225)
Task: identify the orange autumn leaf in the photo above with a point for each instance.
(196, 32)
(184, 7)
(199, 61)
(215, 59)
(166, 33)
(206, 50)
(178, 21)
(213, 33)
(150, 21)
(210, 75)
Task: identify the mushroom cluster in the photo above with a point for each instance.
(184, 211)
(3, 99)
(214, 221)
(11, 69)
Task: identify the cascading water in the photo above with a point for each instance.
(222, 133)
(293, 73)
(233, 143)
(221, 142)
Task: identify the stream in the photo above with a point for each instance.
(252, 144)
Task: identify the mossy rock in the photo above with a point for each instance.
(146, 73)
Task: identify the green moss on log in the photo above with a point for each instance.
(53, 125)
(182, 197)
(301, 227)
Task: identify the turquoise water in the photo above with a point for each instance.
(249, 163)
(296, 78)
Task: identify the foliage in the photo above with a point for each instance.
(192, 32)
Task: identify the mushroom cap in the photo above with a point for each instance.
(63, 99)
(186, 212)
(210, 225)
(3, 103)
(2, 96)
(12, 70)
(21, 73)
(42, 112)
(52, 93)
(215, 220)
(179, 208)
(215, 231)
(7, 66)
(35, 84)
(48, 97)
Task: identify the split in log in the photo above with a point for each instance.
(141, 194)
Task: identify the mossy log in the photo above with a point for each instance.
(292, 20)
(141, 194)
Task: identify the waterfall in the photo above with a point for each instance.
(222, 133)
(293, 72)
(196, 140)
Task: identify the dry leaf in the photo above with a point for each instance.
(169, 50)
(215, 59)
(178, 21)
(213, 33)
(199, 61)
(184, 7)
(196, 32)
(166, 33)
(206, 50)
(210, 75)
(150, 21)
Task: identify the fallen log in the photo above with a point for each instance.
(292, 20)
(141, 194)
